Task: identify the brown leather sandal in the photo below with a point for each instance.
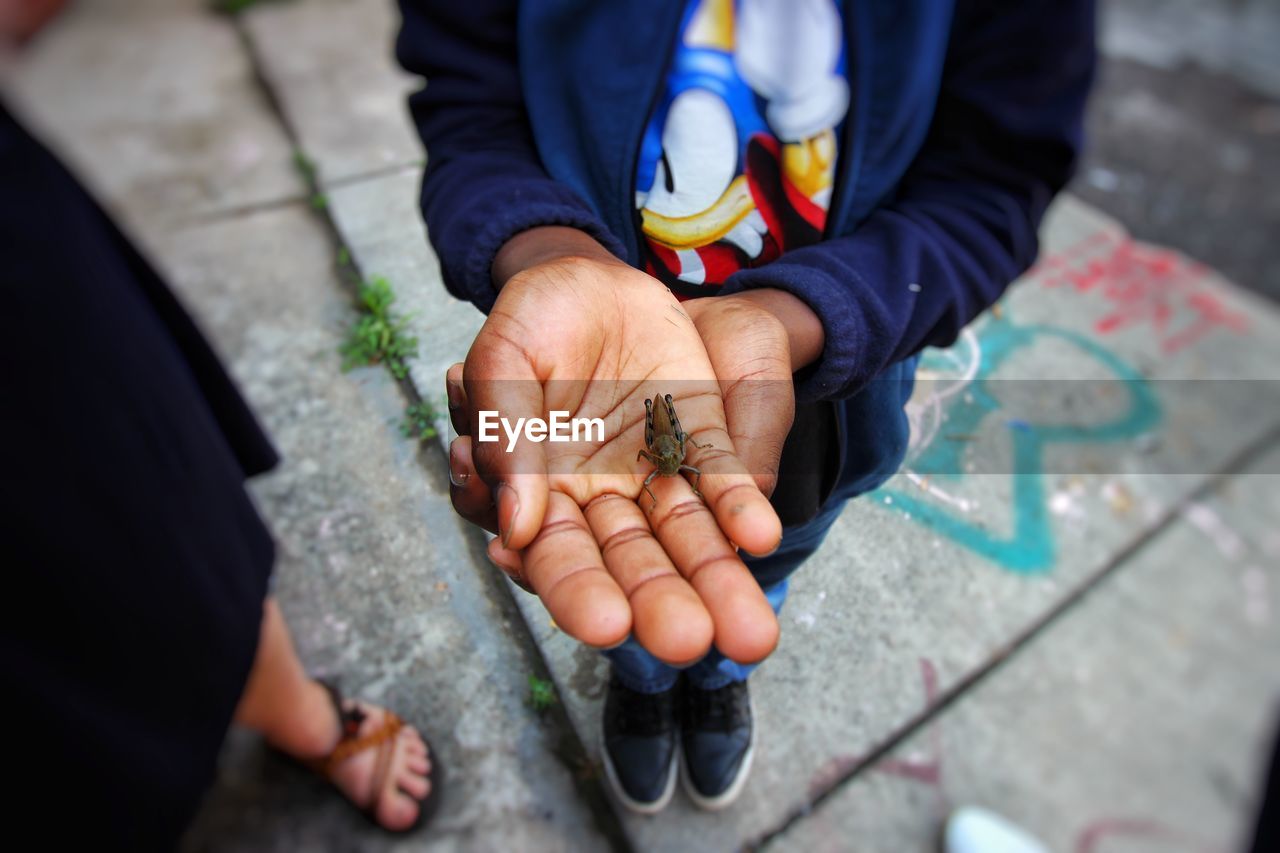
(384, 740)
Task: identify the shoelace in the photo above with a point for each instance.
(643, 713)
(723, 709)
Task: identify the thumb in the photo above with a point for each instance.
(759, 413)
(749, 354)
(503, 392)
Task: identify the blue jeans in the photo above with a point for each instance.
(872, 435)
(641, 671)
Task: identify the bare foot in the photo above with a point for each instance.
(400, 766)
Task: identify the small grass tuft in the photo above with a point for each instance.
(379, 336)
(306, 168)
(420, 421)
(230, 7)
(233, 7)
(542, 694)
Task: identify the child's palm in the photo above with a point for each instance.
(602, 338)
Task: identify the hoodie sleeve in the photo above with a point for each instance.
(962, 223)
(484, 182)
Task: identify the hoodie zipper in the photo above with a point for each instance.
(855, 55)
(627, 197)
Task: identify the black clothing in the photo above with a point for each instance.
(135, 564)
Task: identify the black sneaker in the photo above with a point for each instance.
(639, 746)
(718, 736)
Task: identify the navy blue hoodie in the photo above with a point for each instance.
(965, 120)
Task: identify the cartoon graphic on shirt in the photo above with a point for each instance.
(738, 160)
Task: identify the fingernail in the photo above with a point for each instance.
(508, 508)
(516, 578)
(454, 393)
(458, 478)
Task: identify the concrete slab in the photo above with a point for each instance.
(347, 107)
(1183, 128)
(1233, 36)
(380, 220)
(1140, 720)
(376, 574)
(135, 9)
(157, 106)
(958, 556)
(331, 64)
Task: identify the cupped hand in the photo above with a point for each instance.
(750, 352)
(592, 337)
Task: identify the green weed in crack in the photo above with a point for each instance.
(379, 336)
(542, 694)
(420, 421)
(235, 7)
(306, 168)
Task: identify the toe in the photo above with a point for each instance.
(415, 785)
(397, 811)
(418, 764)
(411, 741)
(415, 747)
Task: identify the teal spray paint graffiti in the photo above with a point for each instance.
(1029, 547)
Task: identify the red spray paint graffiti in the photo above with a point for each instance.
(1091, 837)
(927, 770)
(1142, 285)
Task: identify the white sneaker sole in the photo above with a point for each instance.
(722, 801)
(620, 793)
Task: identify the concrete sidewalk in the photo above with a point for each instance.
(1065, 608)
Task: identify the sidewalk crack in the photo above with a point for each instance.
(567, 746)
(918, 722)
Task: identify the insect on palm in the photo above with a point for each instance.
(665, 442)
